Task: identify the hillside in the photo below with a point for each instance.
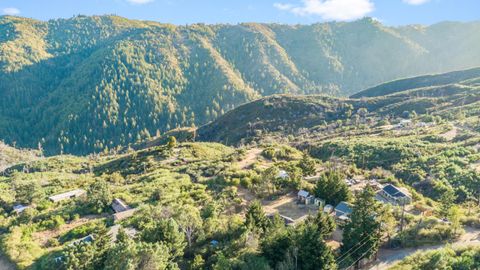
(10, 156)
(284, 115)
(89, 84)
(469, 77)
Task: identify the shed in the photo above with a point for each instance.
(67, 195)
(119, 206)
(328, 208)
(19, 208)
(87, 239)
(302, 196)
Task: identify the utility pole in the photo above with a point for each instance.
(403, 218)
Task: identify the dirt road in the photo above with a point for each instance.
(389, 257)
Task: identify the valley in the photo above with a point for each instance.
(240, 135)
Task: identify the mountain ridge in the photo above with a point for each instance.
(89, 84)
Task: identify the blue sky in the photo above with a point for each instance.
(390, 12)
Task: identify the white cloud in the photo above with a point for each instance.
(341, 10)
(416, 2)
(139, 2)
(283, 6)
(10, 11)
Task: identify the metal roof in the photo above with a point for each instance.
(303, 193)
(394, 191)
(344, 208)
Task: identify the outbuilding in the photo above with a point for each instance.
(67, 195)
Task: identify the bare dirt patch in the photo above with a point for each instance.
(250, 158)
(450, 135)
(43, 236)
(287, 206)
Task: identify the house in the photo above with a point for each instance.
(67, 195)
(19, 208)
(343, 211)
(119, 206)
(283, 174)
(395, 195)
(302, 196)
(123, 215)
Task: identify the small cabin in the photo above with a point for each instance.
(302, 196)
(319, 202)
(67, 195)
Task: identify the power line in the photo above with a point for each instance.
(368, 240)
(346, 252)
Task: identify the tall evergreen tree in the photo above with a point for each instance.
(362, 234)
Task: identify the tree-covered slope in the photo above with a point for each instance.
(88, 84)
(291, 115)
(470, 77)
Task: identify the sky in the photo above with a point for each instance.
(180, 12)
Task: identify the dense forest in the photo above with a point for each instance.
(92, 84)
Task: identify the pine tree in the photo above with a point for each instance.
(362, 234)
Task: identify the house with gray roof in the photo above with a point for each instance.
(343, 210)
(395, 195)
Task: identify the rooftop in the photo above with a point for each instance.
(394, 191)
(303, 193)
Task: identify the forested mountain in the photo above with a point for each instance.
(87, 84)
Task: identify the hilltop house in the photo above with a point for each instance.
(395, 195)
(67, 195)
